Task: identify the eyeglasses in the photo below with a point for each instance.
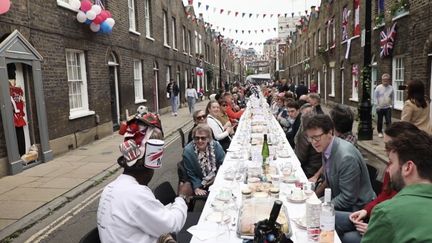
(315, 138)
(201, 117)
(197, 138)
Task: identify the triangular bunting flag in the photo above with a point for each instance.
(250, 15)
(229, 12)
(221, 11)
(199, 4)
(207, 7)
(257, 15)
(236, 13)
(271, 15)
(243, 14)
(264, 15)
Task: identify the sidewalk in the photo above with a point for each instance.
(27, 197)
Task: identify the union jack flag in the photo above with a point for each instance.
(387, 39)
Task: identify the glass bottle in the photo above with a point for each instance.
(327, 219)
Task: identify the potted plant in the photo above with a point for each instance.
(399, 7)
(379, 20)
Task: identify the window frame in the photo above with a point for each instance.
(354, 89)
(174, 32)
(148, 18)
(165, 29)
(84, 109)
(398, 78)
(138, 81)
(132, 16)
(332, 82)
(184, 39)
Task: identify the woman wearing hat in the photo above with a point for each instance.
(128, 210)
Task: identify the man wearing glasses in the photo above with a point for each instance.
(344, 169)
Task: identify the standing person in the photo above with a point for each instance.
(128, 210)
(172, 94)
(344, 169)
(301, 89)
(383, 97)
(407, 216)
(416, 107)
(191, 96)
(313, 87)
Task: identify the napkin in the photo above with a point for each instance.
(206, 230)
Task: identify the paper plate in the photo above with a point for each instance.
(297, 200)
(233, 149)
(300, 222)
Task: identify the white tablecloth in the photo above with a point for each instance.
(206, 231)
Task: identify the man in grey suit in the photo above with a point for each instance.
(344, 169)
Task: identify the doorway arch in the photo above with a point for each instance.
(113, 69)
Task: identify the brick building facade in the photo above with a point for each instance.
(91, 80)
(318, 49)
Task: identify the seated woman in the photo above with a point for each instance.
(202, 158)
(221, 132)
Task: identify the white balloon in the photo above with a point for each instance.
(91, 14)
(94, 27)
(75, 4)
(97, 9)
(110, 22)
(81, 17)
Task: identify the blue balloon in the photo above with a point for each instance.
(104, 26)
(88, 22)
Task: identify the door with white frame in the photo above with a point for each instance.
(114, 90)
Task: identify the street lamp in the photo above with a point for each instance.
(220, 38)
(365, 131)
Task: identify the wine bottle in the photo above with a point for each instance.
(265, 149)
(269, 230)
(327, 219)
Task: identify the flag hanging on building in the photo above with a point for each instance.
(357, 29)
(345, 16)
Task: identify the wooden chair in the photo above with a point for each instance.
(182, 137)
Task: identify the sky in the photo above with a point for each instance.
(249, 6)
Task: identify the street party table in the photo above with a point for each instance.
(219, 221)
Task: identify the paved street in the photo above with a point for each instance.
(29, 196)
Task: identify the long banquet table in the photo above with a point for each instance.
(206, 231)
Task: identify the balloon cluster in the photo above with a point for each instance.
(92, 14)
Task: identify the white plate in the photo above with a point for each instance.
(233, 149)
(297, 200)
(218, 217)
(284, 155)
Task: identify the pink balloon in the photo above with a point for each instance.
(103, 15)
(86, 5)
(109, 13)
(98, 19)
(4, 6)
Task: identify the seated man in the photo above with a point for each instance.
(202, 159)
(309, 158)
(344, 169)
(407, 216)
(314, 99)
(128, 210)
(351, 226)
(343, 119)
(294, 119)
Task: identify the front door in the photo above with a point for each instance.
(115, 104)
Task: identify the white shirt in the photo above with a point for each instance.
(129, 212)
(191, 92)
(217, 128)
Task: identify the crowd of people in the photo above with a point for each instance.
(324, 144)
